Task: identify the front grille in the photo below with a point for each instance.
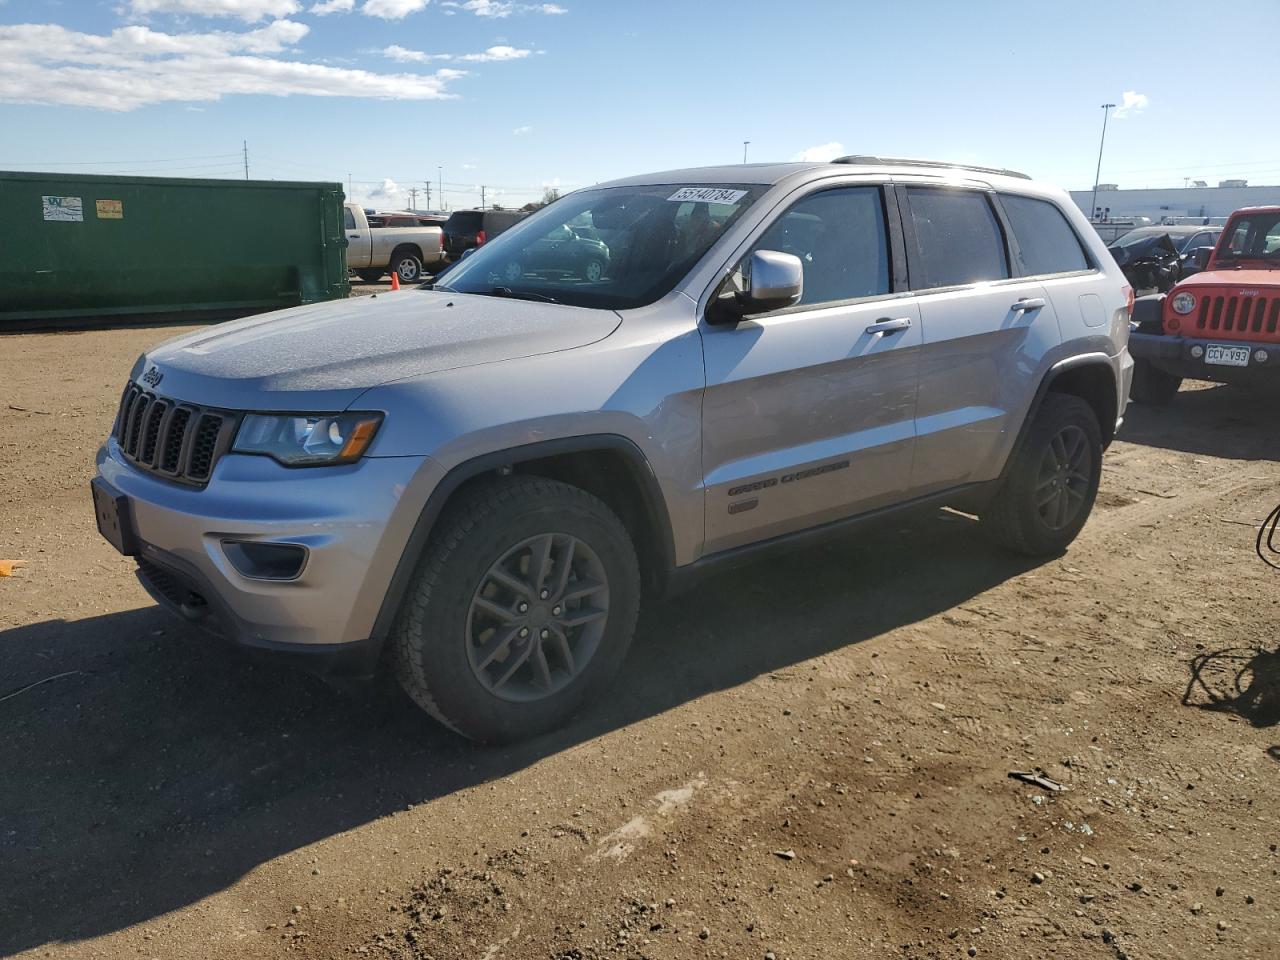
(1238, 317)
(175, 440)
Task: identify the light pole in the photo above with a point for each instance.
(1093, 204)
(745, 144)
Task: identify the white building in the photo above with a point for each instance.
(1202, 201)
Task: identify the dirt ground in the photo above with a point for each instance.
(808, 758)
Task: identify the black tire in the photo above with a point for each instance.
(1015, 518)
(370, 276)
(407, 264)
(1152, 385)
(433, 645)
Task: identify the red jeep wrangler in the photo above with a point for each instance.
(1220, 324)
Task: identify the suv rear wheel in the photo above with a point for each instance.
(522, 608)
(1052, 482)
(1152, 385)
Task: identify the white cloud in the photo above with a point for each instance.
(386, 196)
(333, 6)
(392, 9)
(521, 131)
(1131, 102)
(403, 55)
(248, 10)
(504, 8)
(135, 66)
(822, 153)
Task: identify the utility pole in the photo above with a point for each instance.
(246, 159)
(348, 186)
(440, 173)
(428, 186)
(413, 199)
(1093, 204)
(482, 196)
(745, 144)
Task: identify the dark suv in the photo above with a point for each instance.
(466, 229)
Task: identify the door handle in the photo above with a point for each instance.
(1028, 303)
(889, 326)
(353, 236)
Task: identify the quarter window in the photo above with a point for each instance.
(958, 239)
(1046, 242)
(839, 236)
(348, 219)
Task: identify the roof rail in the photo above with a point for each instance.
(934, 164)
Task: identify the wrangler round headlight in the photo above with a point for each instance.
(1183, 303)
(299, 440)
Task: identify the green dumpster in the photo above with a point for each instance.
(82, 245)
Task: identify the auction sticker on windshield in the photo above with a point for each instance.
(707, 195)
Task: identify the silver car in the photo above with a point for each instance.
(475, 483)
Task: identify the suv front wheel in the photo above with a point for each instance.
(522, 608)
(1048, 493)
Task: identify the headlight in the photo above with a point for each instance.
(1184, 303)
(307, 441)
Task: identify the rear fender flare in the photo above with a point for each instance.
(1078, 362)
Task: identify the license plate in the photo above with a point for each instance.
(1224, 356)
(115, 519)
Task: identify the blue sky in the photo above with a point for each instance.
(520, 95)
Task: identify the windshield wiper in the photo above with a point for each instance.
(520, 295)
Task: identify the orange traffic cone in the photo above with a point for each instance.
(395, 280)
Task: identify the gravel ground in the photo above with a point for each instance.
(807, 758)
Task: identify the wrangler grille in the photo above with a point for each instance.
(1236, 317)
(175, 440)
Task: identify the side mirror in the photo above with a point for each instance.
(777, 281)
(1196, 260)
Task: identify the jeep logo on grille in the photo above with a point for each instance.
(152, 377)
(1248, 293)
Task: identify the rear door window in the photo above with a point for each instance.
(958, 238)
(348, 219)
(1045, 241)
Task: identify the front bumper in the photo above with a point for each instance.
(353, 521)
(1174, 356)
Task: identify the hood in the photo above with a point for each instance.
(1243, 279)
(321, 357)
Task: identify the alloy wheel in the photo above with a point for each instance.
(537, 617)
(1062, 485)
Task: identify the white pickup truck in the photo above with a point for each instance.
(407, 252)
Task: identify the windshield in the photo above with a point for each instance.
(1253, 237)
(613, 248)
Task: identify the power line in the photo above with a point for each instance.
(125, 163)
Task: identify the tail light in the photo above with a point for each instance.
(481, 237)
(1128, 300)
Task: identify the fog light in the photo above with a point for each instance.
(1260, 356)
(1197, 351)
(265, 561)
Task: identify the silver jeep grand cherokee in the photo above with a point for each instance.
(475, 482)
